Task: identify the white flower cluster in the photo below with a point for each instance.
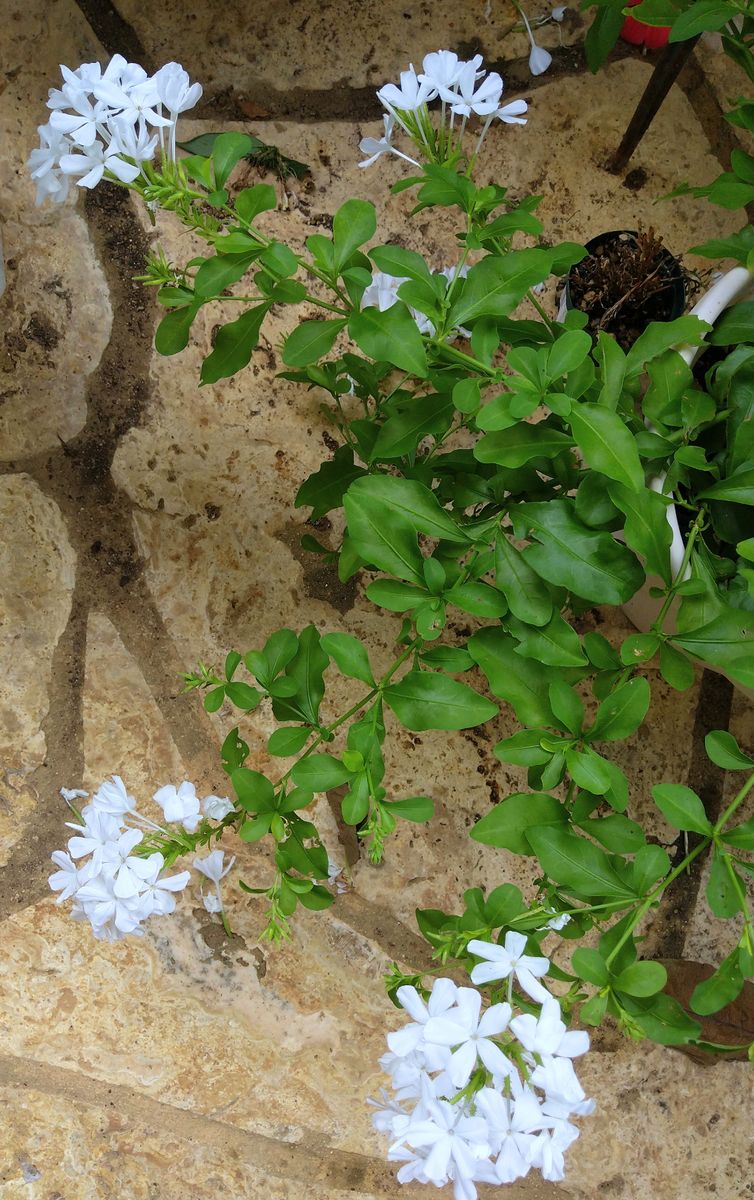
(101, 121)
(463, 89)
(382, 293)
(115, 889)
(482, 1097)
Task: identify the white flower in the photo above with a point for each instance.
(539, 58)
(133, 140)
(94, 161)
(44, 166)
(71, 794)
(212, 866)
(138, 102)
(375, 147)
(514, 1121)
(174, 88)
(557, 1077)
(100, 829)
(112, 797)
(442, 997)
(509, 959)
(83, 124)
(442, 70)
(547, 1033)
(69, 877)
(452, 1138)
(216, 807)
(179, 804)
(463, 1028)
(482, 100)
(512, 113)
(411, 94)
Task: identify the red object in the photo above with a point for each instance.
(639, 34)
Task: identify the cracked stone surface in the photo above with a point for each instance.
(149, 523)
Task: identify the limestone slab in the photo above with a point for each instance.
(37, 566)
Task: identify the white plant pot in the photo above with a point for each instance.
(643, 609)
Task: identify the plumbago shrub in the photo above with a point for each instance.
(492, 466)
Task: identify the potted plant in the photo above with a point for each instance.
(625, 281)
(511, 525)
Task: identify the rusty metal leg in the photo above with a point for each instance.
(669, 66)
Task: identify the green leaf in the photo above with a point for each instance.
(427, 700)
(727, 642)
(642, 979)
(639, 648)
(415, 808)
(220, 272)
(555, 644)
(520, 443)
(661, 336)
(310, 341)
(319, 773)
(722, 896)
(503, 904)
(284, 743)
(316, 898)
(723, 750)
(576, 864)
(306, 669)
(612, 361)
(590, 564)
(214, 699)
(243, 696)
(256, 828)
(255, 200)
(622, 712)
(650, 864)
(589, 964)
(616, 832)
(606, 444)
(403, 431)
(391, 336)
(506, 824)
(400, 263)
(589, 771)
(234, 345)
(523, 749)
(448, 658)
(173, 330)
(646, 529)
(681, 807)
(675, 668)
(720, 989)
(396, 596)
(496, 285)
(254, 790)
(701, 16)
(662, 1019)
(476, 598)
(325, 489)
(738, 487)
(350, 656)
(568, 353)
(227, 150)
(602, 35)
(354, 223)
(566, 705)
(524, 687)
(527, 595)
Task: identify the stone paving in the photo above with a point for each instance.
(148, 523)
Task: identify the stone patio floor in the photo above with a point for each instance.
(147, 523)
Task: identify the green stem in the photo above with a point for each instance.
(643, 908)
(450, 352)
(551, 325)
(692, 536)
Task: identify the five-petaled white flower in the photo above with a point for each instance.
(180, 804)
(463, 1028)
(509, 959)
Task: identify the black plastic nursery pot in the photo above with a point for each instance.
(632, 314)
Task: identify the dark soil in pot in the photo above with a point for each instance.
(626, 281)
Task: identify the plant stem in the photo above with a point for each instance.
(692, 536)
